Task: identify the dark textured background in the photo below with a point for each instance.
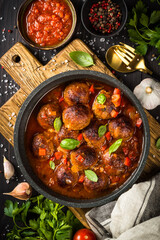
(8, 13)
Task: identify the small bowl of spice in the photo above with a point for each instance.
(104, 18)
(46, 24)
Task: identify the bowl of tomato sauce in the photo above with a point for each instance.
(46, 24)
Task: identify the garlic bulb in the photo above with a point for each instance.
(22, 191)
(148, 93)
(8, 168)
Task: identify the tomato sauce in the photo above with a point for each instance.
(48, 22)
(116, 172)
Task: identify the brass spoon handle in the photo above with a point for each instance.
(146, 70)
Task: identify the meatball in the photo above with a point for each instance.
(77, 117)
(83, 158)
(64, 176)
(103, 111)
(90, 135)
(65, 133)
(114, 163)
(121, 128)
(47, 115)
(76, 93)
(101, 184)
(42, 146)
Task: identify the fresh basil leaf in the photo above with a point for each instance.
(158, 143)
(115, 146)
(52, 165)
(69, 143)
(82, 58)
(102, 130)
(57, 124)
(155, 17)
(92, 176)
(101, 98)
(144, 20)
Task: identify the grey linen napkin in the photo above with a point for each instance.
(135, 215)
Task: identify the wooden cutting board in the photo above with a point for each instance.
(28, 73)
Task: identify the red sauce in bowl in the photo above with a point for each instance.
(48, 22)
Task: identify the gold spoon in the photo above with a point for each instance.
(116, 58)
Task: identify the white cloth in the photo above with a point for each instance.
(135, 215)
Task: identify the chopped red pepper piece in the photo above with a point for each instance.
(108, 136)
(61, 99)
(114, 113)
(91, 88)
(117, 91)
(42, 151)
(139, 122)
(52, 159)
(127, 161)
(116, 100)
(80, 137)
(65, 161)
(80, 158)
(81, 179)
(58, 155)
(103, 147)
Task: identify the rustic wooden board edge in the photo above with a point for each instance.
(41, 73)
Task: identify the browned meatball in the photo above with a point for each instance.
(90, 135)
(77, 117)
(96, 186)
(42, 146)
(121, 128)
(103, 111)
(83, 158)
(76, 93)
(66, 133)
(64, 176)
(47, 115)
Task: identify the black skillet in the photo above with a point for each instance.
(21, 123)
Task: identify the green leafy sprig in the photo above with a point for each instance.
(144, 29)
(40, 218)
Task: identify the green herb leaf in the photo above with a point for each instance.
(69, 143)
(101, 98)
(52, 165)
(102, 130)
(57, 124)
(155, 17)
(33, 224)
(92, 176)
(140, 7)
(82, 58)
(115, 146)
(158, 143)
(9, 207)
(142, 49)
(144, 20)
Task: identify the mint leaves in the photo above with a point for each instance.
(40, 218)
(144, 29)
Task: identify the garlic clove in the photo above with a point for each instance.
(148, 93)
(22, 191)
(8, 169)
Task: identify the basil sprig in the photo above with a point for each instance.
(102, 130)
(82, 58)
(115, 146)
(101, 98)
(52, 165)
(92, 176)
(158, 143)
(57, 124)
(69, 143)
